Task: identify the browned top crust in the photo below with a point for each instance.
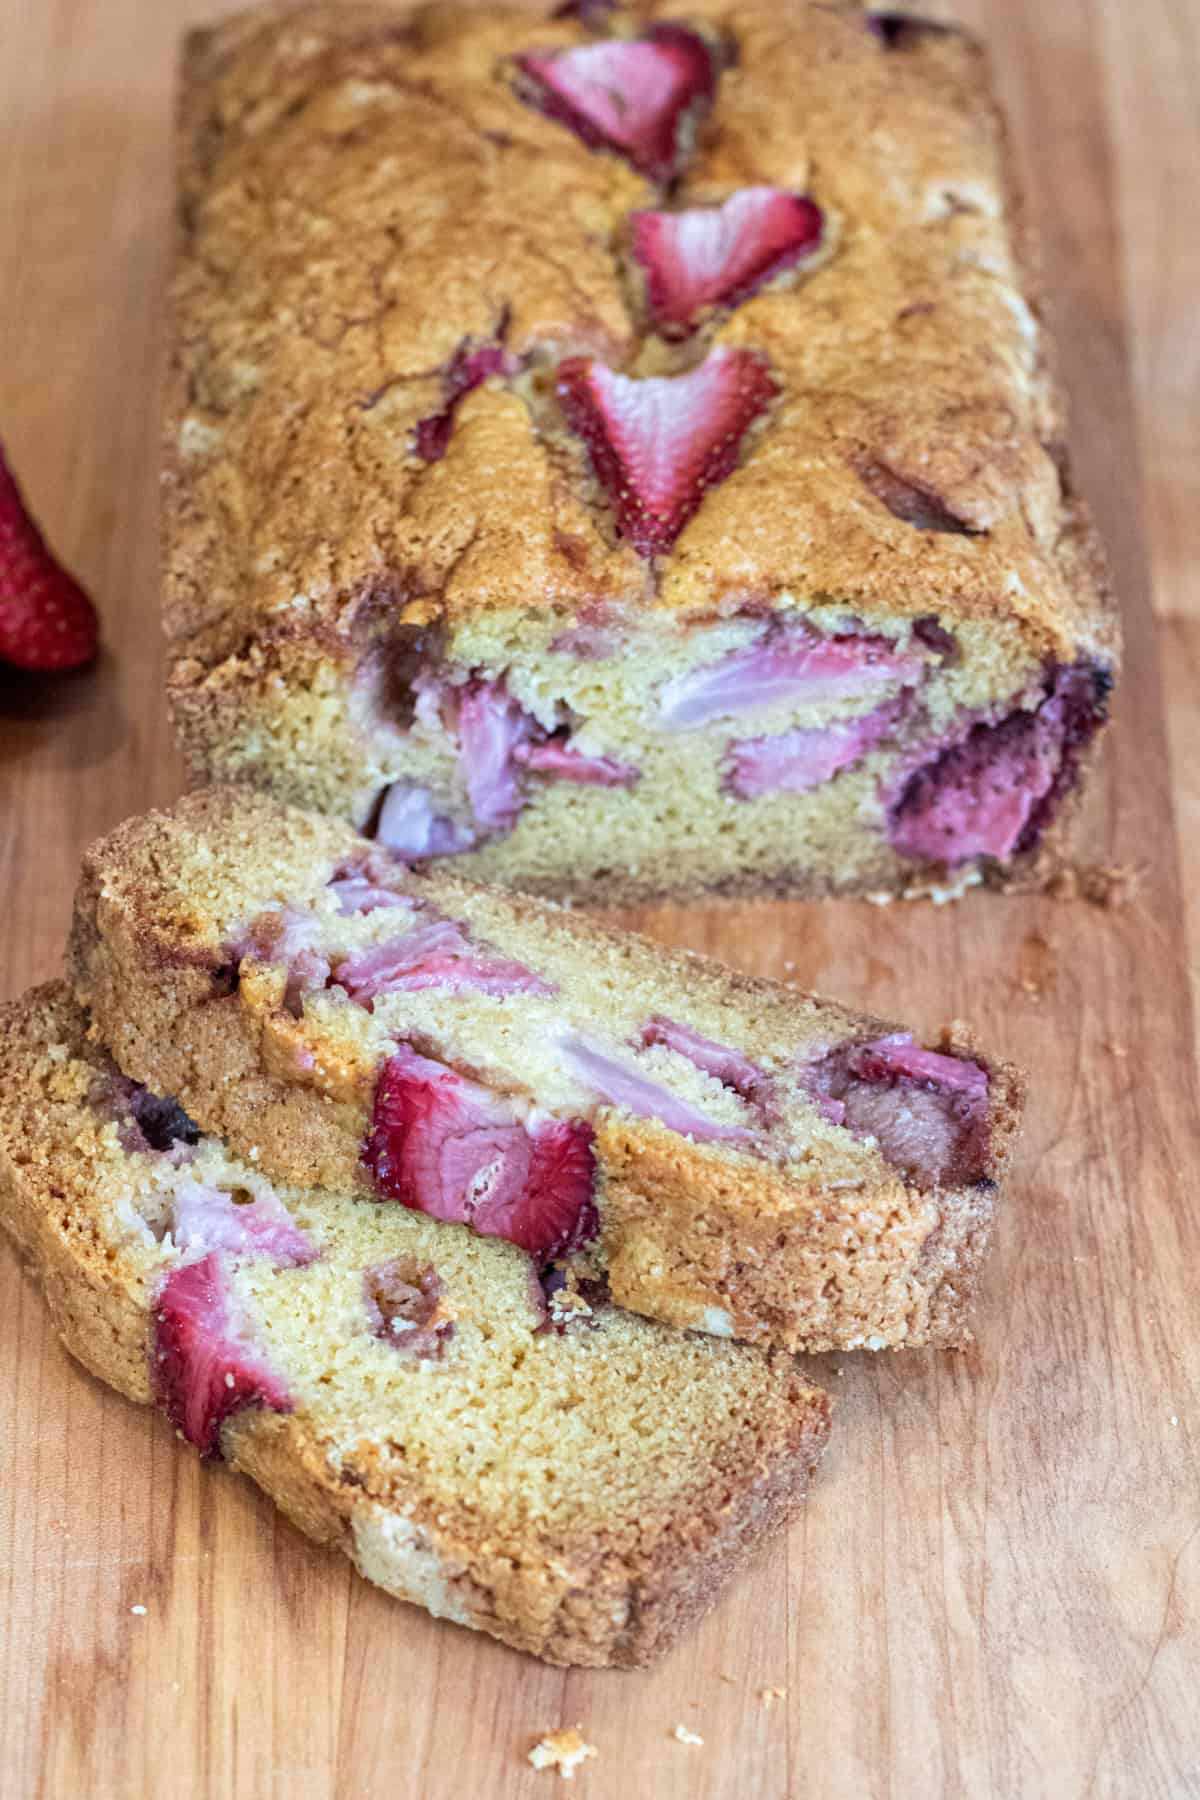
(363, 193)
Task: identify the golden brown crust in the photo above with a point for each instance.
(611, 1601)
(692, 1233)
(307, 153)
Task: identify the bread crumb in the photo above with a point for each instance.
(139, 1610)
(767, 1694)
(562, 1750)
(731, 1679)
(687, 1737)
(1115, 1049)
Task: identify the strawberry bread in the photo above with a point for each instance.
(723, 1153)
(578, 1483)
(615, 447)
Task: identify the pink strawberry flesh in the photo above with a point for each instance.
(402, 1303)
(561, 758)
(204, 1366)
(48, 625)
(468, 370)
(927, 1112)
(209, 1218)
(410, 827)
(720, 255)
(657, 445)
(796, 761)
(994, 791)
(447, 1146)
(638, 96)
(491, 726)
(731, 1067)
(618, 1084)
(437, 953)
(788, 663)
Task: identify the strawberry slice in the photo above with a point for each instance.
(731, 1067)
(638, 96)
(561, 758)
(718, 255)
(204, 1366)
(793, 762)
(257, 1225)
(437, 953)
(656, 445)
(617, 1084)
(449, 1147)
(47, 623)
(928, 1113)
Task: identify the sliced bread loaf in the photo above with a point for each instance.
(729, 1154)
(568, 1478)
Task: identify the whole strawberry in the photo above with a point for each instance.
(47, 623)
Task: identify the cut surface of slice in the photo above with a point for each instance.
(402, 1392)
(729, 1154)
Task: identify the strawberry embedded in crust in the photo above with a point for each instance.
(657, 445)
(717, 256)
(469, 368)
(204, 1367)
(731, 1067)
(638, 96)
(451, 1148)
(900, 30)
(915, 503)
(47, 623)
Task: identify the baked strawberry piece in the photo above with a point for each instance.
(728, 1155)
(702, 257)
(424, 1398)
(660, 488)
(640, 96)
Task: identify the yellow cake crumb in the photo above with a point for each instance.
(684, 1736)
(562, 1750)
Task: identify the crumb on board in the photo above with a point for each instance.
(139, 1610)
(1120, 1051)
(562, 1750)
(767, 1694)
(684, 1736)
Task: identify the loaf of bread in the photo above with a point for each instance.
(728, 1154)
(616, 446)
(571, 1479)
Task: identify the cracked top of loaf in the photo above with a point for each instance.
(367, 193)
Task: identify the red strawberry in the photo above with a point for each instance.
(204, 1367)
(468, 369)
(555, 1212)
(718, 255)
(916, 504)
(451, 1148)
(404, 1305)
(656, 445)
(47, 623)
(634, 95)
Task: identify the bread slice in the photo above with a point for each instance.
(578, 1486)
(728, 1154)
(684, 507)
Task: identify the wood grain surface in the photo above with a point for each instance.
(995, 1588)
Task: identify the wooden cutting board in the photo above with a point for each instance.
(994, 1588)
